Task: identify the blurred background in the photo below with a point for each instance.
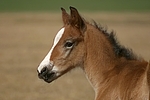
(27, 29)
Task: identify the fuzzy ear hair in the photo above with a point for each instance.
(65, 16)
(76, 19)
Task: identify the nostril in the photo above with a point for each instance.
(44, 70)
(43, 73)
(40, 76)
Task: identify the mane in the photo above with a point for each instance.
(120, 50)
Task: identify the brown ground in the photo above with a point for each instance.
(25, 38)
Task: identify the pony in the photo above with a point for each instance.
(113, 70)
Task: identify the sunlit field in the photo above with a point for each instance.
(25, 39)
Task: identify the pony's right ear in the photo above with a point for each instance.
(65, 16)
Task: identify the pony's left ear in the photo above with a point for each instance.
(65, 16)
(76, 20)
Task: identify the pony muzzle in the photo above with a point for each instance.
(47, 75)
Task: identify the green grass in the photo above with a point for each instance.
(84, 5)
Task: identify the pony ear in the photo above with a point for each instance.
(65, 16)
(76, 20)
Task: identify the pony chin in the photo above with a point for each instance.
(51, 79)
(51, 76)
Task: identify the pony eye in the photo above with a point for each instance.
(69, 44)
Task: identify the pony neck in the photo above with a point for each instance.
(99, 58)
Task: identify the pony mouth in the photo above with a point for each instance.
(49, 76)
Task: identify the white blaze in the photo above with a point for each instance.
(46, 60)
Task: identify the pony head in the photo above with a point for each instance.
(68, 50)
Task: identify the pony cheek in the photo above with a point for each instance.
(63, 65)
